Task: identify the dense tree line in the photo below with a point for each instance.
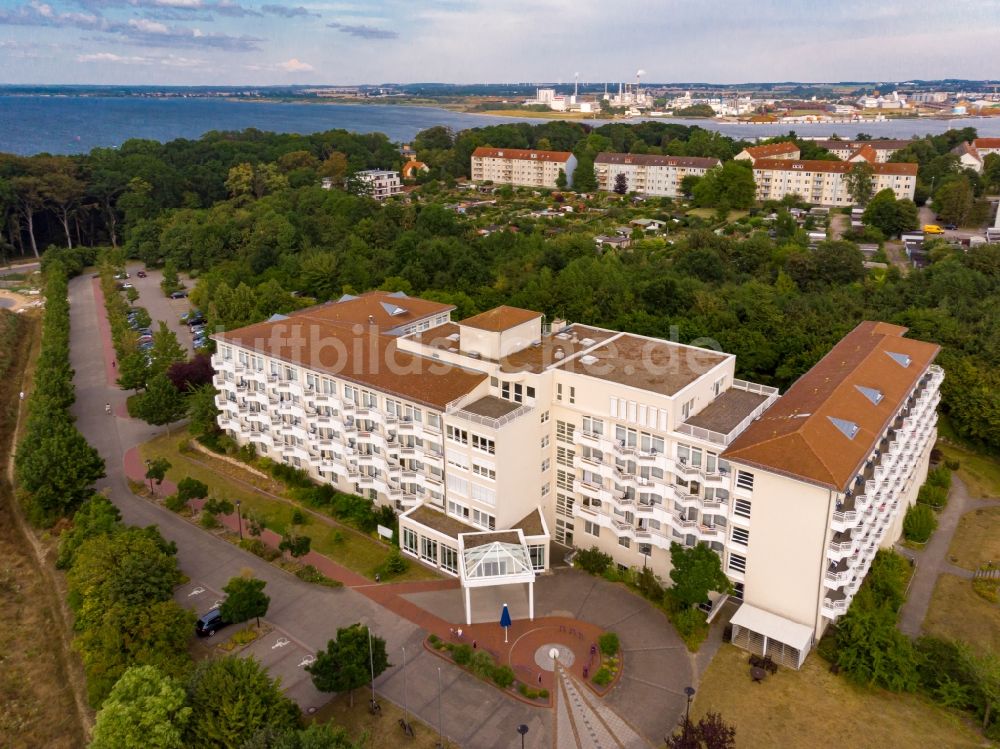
(55, 467)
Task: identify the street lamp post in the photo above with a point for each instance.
(689, 691)
(522, 729)
(440, 722)
(149, 464)
(239, 518)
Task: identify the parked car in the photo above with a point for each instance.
(144, 339)
(122, 275)
(197, 319)
(198, 329)
(141, 274)
(933, 229)
(124, 286)
(145, 346)
(210, 623)
(145, 331)
(951, 227)
(179, 295)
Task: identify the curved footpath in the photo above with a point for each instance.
(305, 616)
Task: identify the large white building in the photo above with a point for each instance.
(498, 434)
(825, 182)
(521, 166)
(845, 149)
(649, 174)
(380, 184)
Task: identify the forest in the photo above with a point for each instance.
(245, 215)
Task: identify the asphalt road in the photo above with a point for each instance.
(475, 715)
(20, 268)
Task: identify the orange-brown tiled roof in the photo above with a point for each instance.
(525, 154)
(501, 318)
(645, 159)
(853, 145)
(986, 142)
(796, 437)
(842, 167)
(866, 152)
(771, 149)
(411, 166)
(361, 309)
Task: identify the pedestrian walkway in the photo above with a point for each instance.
(583, 722)
(932, 560)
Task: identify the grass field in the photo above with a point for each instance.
(709, 213)
(959, 613)
(977, 539)
(813, 708)
(377, 732)
(981, 473)
(342, 544)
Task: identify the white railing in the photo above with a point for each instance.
(724, 439)
(493, 423)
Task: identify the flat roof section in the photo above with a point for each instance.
(554, 348)
(491, 407)
(727, 411)
(478, 539)
(647, 364)
(438, 521)
(531, 524)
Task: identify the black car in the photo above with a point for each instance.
(210, 623)
(951, 227)
(179, 295)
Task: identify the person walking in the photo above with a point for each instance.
(107, 408)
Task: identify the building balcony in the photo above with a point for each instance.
(592, 490)
(221, 402)
(834, 608)
(219, 381)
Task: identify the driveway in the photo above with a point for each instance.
(475, 714)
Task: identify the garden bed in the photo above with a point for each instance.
(483, 665)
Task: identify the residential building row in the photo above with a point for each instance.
(520, 166)
(501, 435)
(972, 155)
(826, 182)
(649, 174)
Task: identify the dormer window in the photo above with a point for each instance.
(848, 428)
(875, 396)
(902, 360)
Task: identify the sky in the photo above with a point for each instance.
(273, 42)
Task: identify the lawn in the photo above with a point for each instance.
(343, 544)
(959, 613)
(709, 213)
(814, 708)
(977, 539)
(380, 731)
(981, 473)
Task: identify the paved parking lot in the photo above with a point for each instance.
(279, 652)
(158, 306)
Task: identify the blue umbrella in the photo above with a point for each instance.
(505, 621)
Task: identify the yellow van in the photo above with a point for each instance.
(933, 229)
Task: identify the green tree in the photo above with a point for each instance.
(57, 468)
(190, 488)
(711, 732)
(861, 182)
(133, 371)
(202, 411)
(954, 201)
(166, 350)
(871, 650)
(621, 183)
(245, 599)
(347, 663)
(162, 403)
(146, 709)
(890, 216)
(728, 187)
(561, 179)
(170, 282)
(232, 700)
(696, 571)
(156, 470)
(294, 544)
(584, 176)
(919, 523)
(97, 516)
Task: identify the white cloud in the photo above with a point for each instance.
(295, 66)
(111, 57)
(148, 27)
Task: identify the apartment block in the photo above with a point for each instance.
(825, 182)
(973, 155)
(823, 480)
(519, 166)
(502, 438)
(648, 174)
(783, 150)
(845, 149)
(380, 184)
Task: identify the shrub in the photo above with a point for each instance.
(935, 496)
(394, 564)
(462, 654)
(603, 676)
(887, 578)
(258, 548)
(310, 574)
(175, 503)
(690, 624)
(503, 676)
(298, 517)
(649, 584)
(215, 506)
(612, 574)
(434, 640)
(953, 465)
(208, 520)
(940, 476)
(608, 643)
(919, 523)
(481, 664)
(593, 560)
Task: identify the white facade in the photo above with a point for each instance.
(505, 434)
(647, 174)
(525, 167)
(825, 182)
(379, 183)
